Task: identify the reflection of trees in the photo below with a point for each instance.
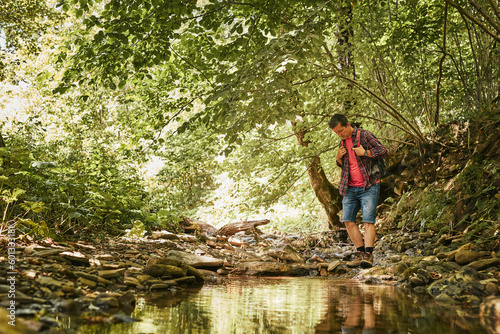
(178, 312)
(269, 306)
(290, 306)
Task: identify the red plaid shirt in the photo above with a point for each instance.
(377, 150)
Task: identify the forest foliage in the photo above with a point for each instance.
(122, 113)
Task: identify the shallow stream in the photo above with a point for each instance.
(290, 305)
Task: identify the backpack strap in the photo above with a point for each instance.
(356, 143)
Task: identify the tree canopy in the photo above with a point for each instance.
(251, 85)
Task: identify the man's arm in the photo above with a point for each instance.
(374, 146)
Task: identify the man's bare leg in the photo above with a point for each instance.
(354, 234)
(370, 234)
(357, 240)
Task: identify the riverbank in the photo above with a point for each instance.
(99, 281)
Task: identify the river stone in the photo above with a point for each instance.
(158, 270)
(424, 276)
(467, 274)
(467, 246)
(485, 263)
(437, 286)
(463, 257)
(192, 271)
(451, 255)
(163, 235)
(332, 266)
(209, 275)
(64, 271)
(400, 268)
(111, 273)
(221, 271)
(244, 255)
(111, 265)
(286, 253)
(163, 286)
(443, 298)
(93, 277)
(489, 313)
(47, 253)
(132, 281)
(144, 278)
(471, 300)
(491, 288)
(185, 280)
(76, 258)
(107, 302)
(409, 272)
(166, 261)
(258, 268)
(416, 281)
(86, 282)
(108, 257)
(194, 260)
(48, 281)
(134, 270)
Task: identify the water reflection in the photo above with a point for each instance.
(291, 305)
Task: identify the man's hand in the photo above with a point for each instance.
(340, 153)
(360, 150)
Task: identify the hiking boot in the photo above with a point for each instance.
(355, 263)
(366, 260)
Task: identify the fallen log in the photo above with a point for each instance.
(195, 226)
(233, 228)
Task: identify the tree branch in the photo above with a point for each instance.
(494, 5)
(390, 109)
(382, 121)
(193, 66)
(473, 19)
(488, 18)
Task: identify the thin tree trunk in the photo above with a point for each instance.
(344, 51)
(441, 61)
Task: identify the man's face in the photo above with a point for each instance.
(343, 132)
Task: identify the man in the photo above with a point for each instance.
(359, 186)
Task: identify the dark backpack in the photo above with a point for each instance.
(376, 165)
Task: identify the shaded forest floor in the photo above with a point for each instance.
(451, 190)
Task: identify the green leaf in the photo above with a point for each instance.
(42, 76)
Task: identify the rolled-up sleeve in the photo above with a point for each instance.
(376, 148)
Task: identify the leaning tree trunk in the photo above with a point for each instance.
(327, 194)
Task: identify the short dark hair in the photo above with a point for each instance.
(337, 119)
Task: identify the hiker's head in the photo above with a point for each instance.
(341, 126)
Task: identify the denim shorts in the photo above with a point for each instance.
(358, 198)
